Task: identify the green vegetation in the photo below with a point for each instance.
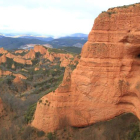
(14, 43)
(35, 61)
(21, 98)
(72, 49)
(57, 50)
(30, 112)
(21, 54)
(72, 66)
(135, 133)
(7, 79)
(109, 13)
(40, 133)
(10, 62)
(67, 41)
(30, 132)
(37, 54)
(51, 136)
(124, 6)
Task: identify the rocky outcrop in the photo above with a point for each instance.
(2, 51)
(4, 73)
(3, 59)
(106, 82)
(40, 48)
(10, 55)
(49, 56)
(36, 69)
(20, 76)
(22, 61)
(17, 80)
(50, 103)
(64, 58)
(21, 51)
(62, 55)
(30, 54)
(65, 62)
(13, 66)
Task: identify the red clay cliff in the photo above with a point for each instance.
(106, 82)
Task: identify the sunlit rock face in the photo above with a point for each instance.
(40, 48)
(30, 54)
(106, 82)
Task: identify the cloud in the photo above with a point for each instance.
(45, 21)
(55, 17)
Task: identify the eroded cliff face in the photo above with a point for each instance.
(106, 82)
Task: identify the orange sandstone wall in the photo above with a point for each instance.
(106, 82)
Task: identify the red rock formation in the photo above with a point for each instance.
(50, 120)
(20, 76)
(13, 66)
(49, 56)
(65, 62)
(17, 80)
(3, 59)
(4, 73)
(62, 55)
(3, 51)
(22, 61)
(21, 51)
(106, 82)
(36, 69)
(9, 55)
(40, 48)
(30, 54)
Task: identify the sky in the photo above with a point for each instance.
(53, 17)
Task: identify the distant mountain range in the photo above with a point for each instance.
(15, 42)
(79, 35)
(39, 38)
(68, 41)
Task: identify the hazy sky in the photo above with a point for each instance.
(53, 17)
